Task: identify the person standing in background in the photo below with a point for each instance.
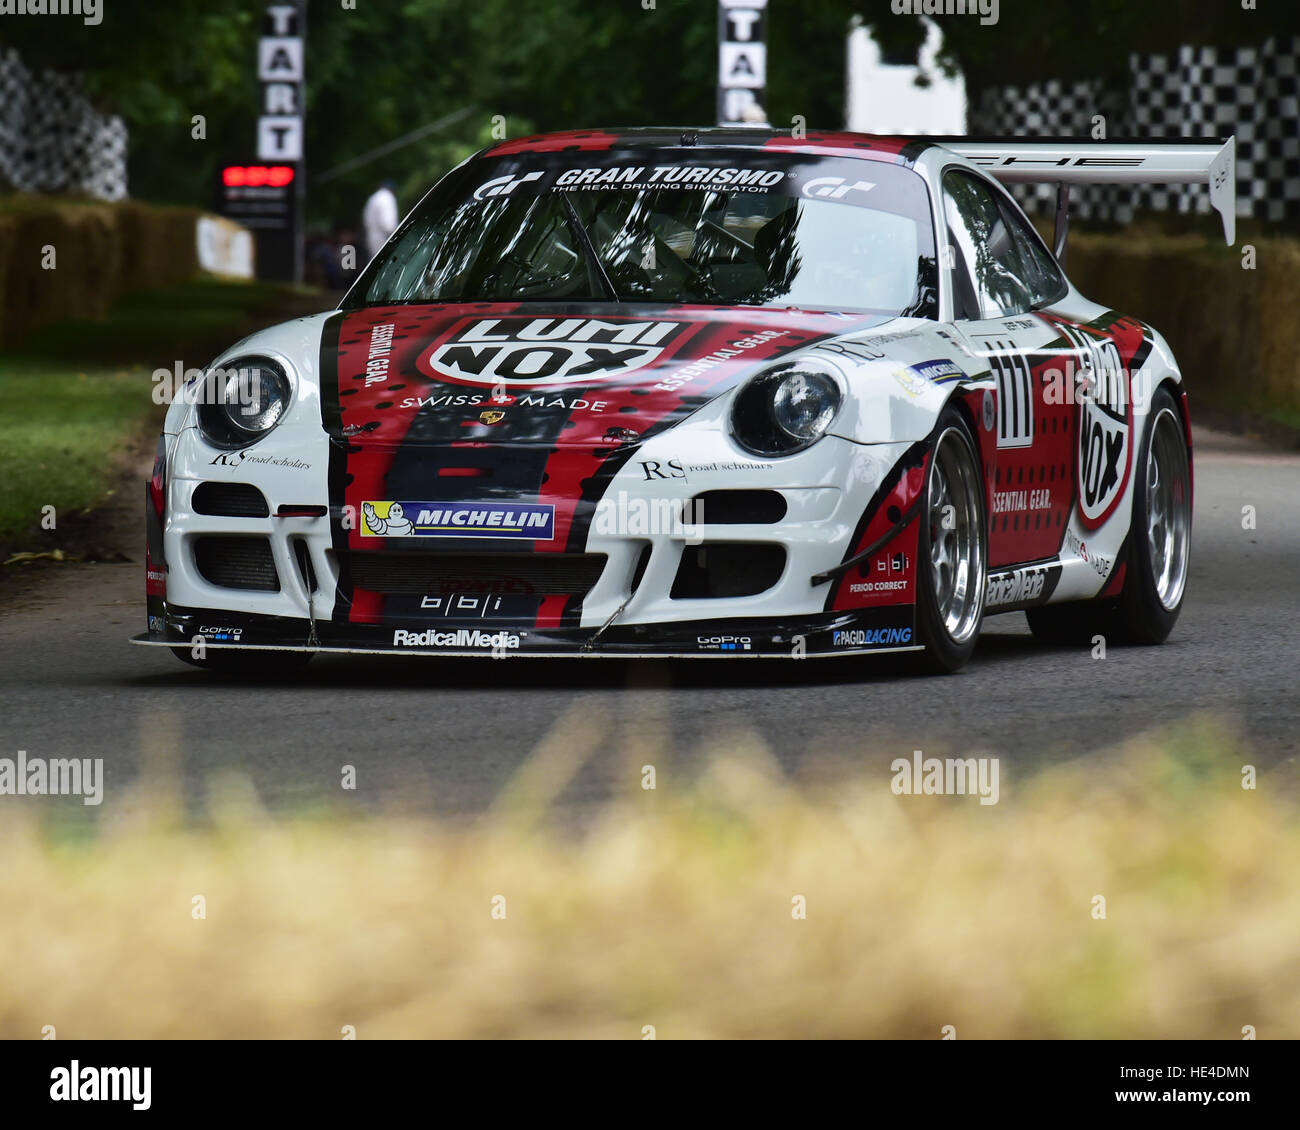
(379, 217)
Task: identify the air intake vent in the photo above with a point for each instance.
(725, 569)
(237, 563)
(536, 574)
(302, 555)
(738, 507)
(230, 500)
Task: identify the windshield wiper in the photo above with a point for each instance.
(594, 264)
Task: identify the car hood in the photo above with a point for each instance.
(562, 375)
(493, 402)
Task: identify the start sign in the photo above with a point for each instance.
(266, 194)
(280, 71)
(742, 62)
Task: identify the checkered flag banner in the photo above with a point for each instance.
(1201, 92)
(51, 137)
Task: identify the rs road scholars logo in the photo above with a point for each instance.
(529, 521)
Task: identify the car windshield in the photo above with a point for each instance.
(745, 227)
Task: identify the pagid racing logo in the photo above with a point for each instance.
(537, 352)
(871, 637)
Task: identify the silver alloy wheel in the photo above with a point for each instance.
(957, 560)
(1169, 508)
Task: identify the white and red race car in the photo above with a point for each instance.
(692, 393)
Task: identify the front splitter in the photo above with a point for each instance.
(887, 630)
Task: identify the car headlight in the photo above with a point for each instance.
(243, 401)
(786, 407)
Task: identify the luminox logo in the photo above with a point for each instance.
(834, 188)
(1105, 425)
(538, 352)
(503, 186)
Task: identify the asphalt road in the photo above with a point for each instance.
(448, 736)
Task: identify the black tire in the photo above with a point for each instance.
(1072, 623)
(954, 454)
(250, 662)
(1149, 605)
(1141, 615)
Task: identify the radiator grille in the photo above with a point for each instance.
(237, 563)
(738, 507)
(727, 569)
(230, 500)
(537, 574)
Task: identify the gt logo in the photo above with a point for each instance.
(503, 186)
(834, 188)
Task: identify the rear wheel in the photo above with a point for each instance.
(1160, 544)
(1161, 534)
(952, 549)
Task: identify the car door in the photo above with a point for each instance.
(1001, 277)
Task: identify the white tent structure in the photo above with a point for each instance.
(885, 99)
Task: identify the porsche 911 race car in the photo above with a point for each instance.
(704, 393)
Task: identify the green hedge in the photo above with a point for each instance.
(101, 251)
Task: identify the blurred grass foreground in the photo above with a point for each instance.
(675, 910)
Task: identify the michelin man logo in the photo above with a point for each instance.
(395, 525)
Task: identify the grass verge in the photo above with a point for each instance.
(78, 395)
(62, 436)
(674, 910)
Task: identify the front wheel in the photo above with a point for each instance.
(952, 549)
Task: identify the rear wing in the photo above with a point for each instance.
(1067, 161)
